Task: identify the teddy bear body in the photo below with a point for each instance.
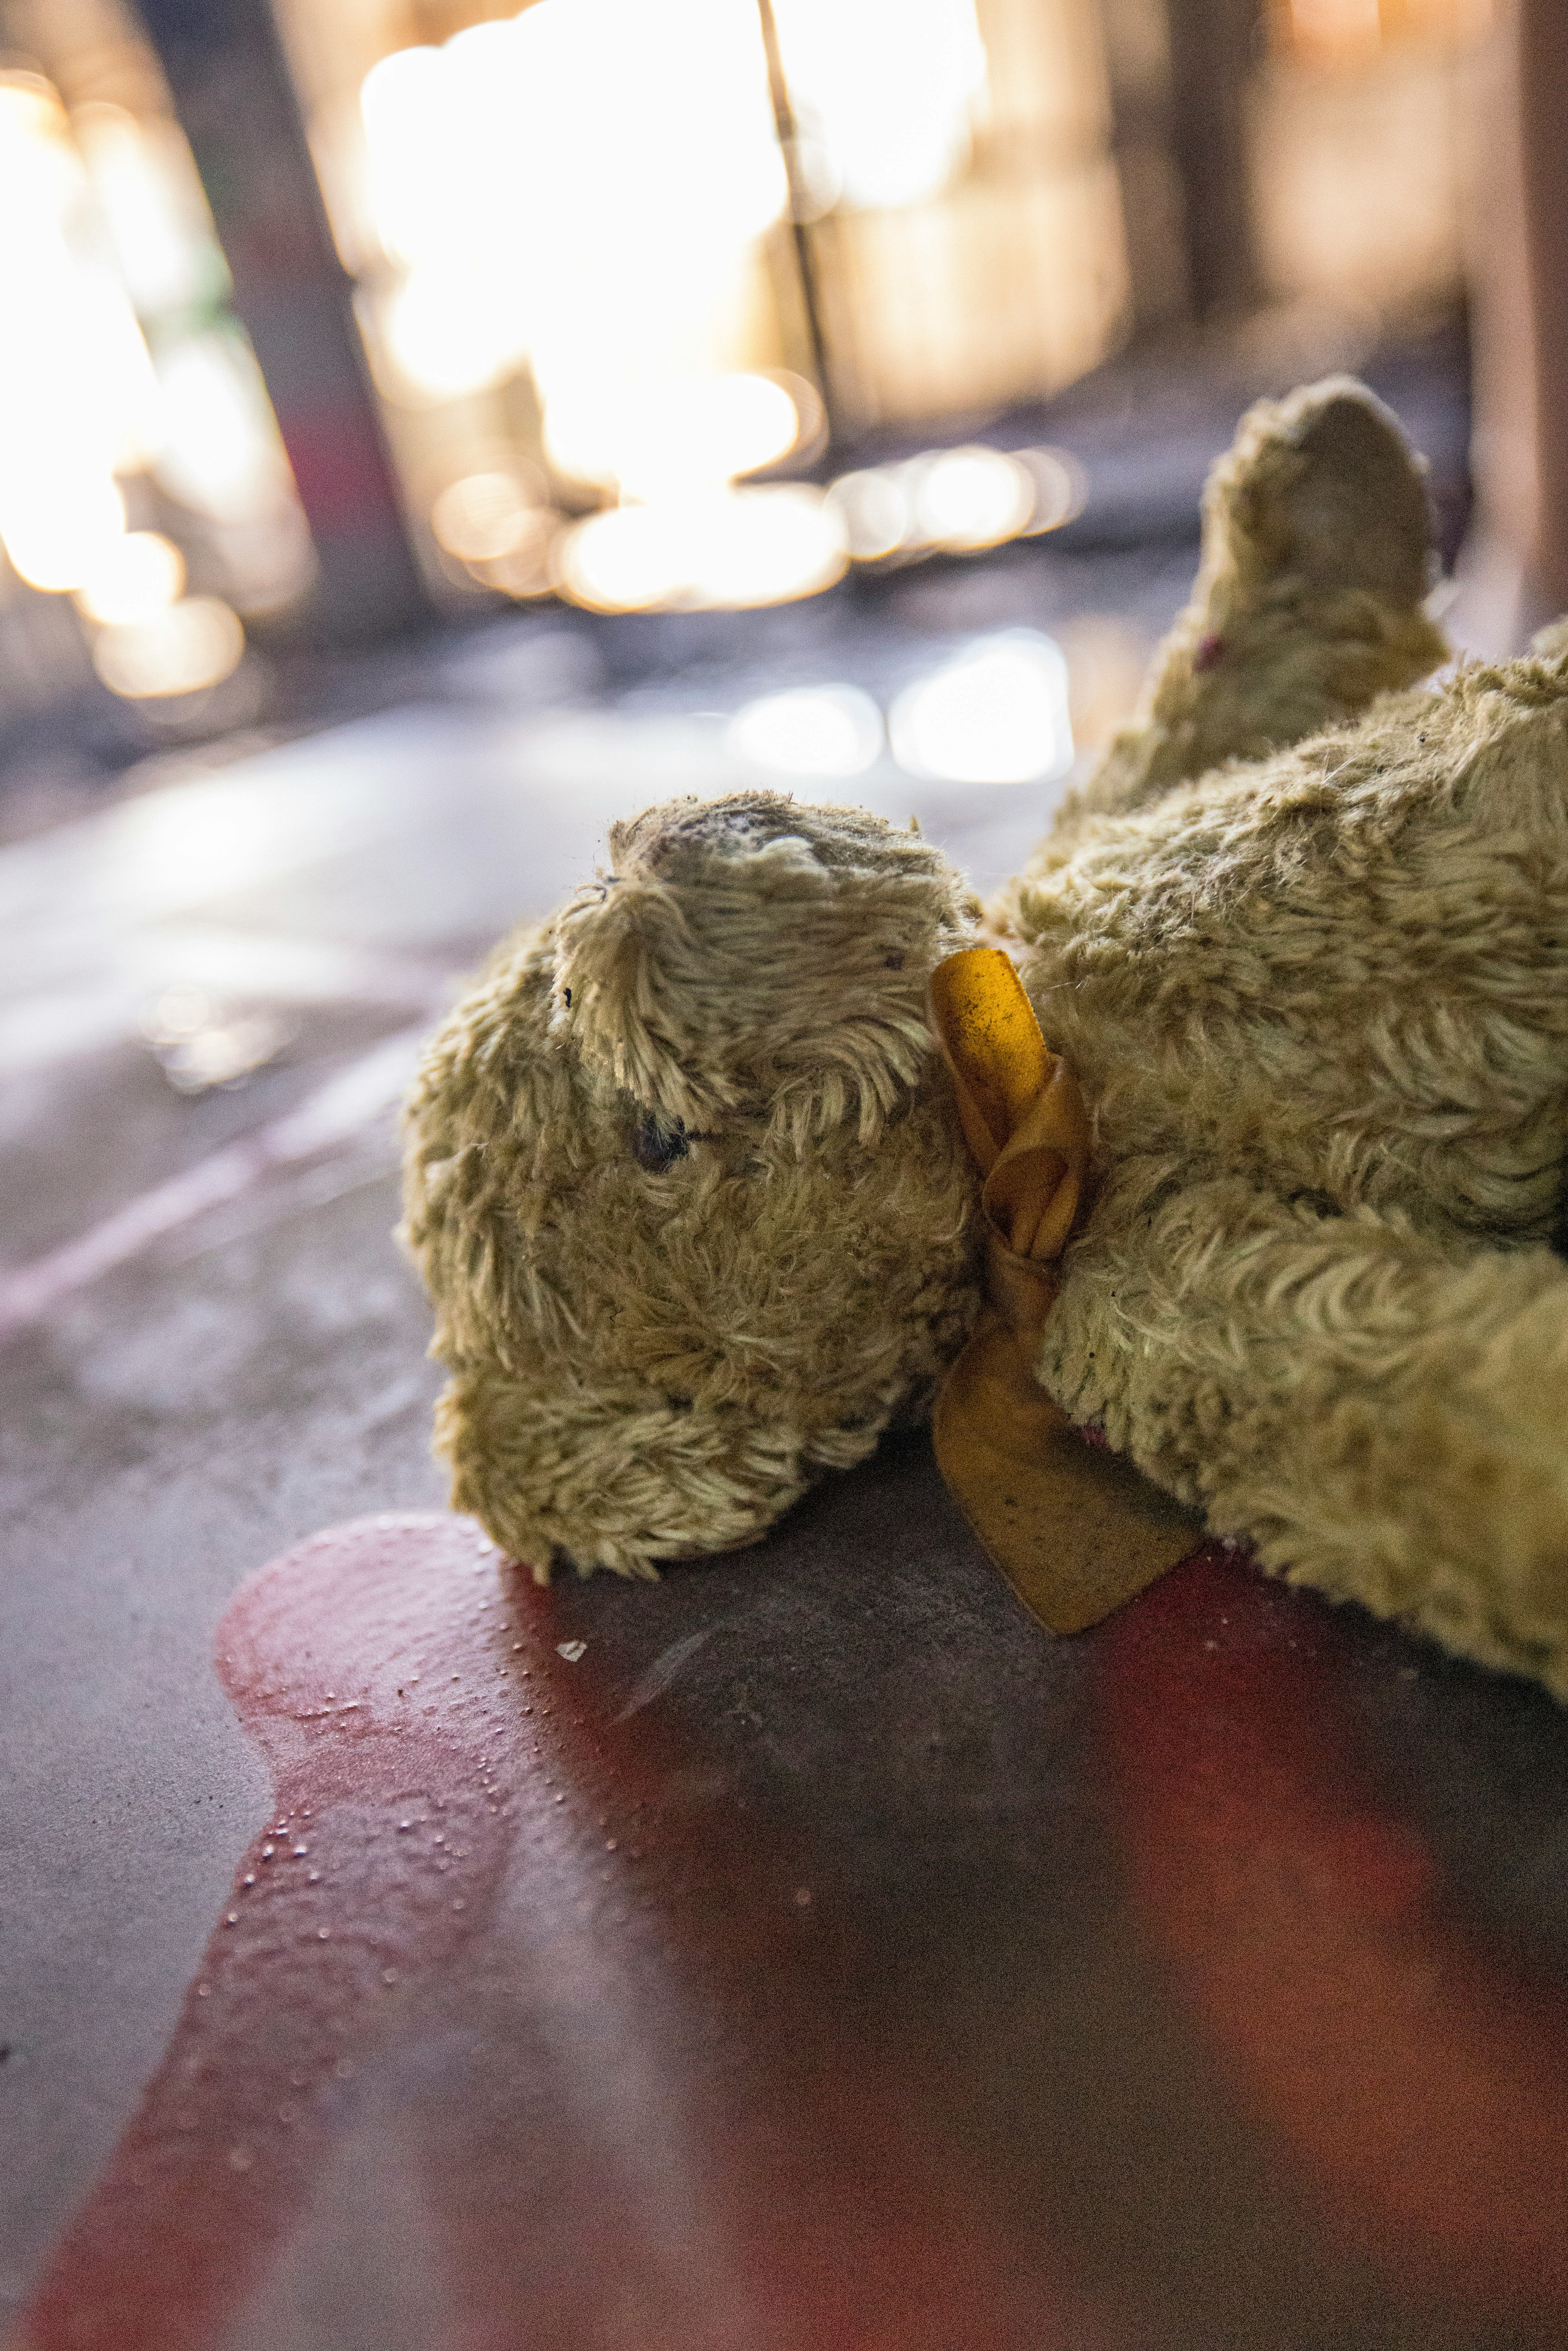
(1318, 1009)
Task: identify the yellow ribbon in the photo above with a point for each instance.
(1075, 1530)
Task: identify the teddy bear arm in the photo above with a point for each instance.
(1308, 606)
(1380, 1414)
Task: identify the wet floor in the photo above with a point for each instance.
(805, 1949)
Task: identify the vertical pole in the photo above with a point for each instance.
(1138, 69)
(1211, 49)
(1542, 85)
(805, 254)
(235, 100)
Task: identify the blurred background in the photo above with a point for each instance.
(866, 346)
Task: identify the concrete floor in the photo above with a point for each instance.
(819, 1954)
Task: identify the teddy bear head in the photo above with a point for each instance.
(686, 1184)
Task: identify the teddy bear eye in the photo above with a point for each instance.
(657, 1146)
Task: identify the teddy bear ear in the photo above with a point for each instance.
(750, 954)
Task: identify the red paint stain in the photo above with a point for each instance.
(363, 1668)
(701, 2135)
(1422, 2085)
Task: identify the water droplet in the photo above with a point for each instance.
(322, 1934)
(301, 1851)
(331, 1694)
(267, 1850)
(517, 1645)
(609, 1845)
(204, 1992)
(438, 1839)
(389, 1975)
(250, 1880)
(240, 2158)
(460, 1904)
(343, 2068)
(802, 1897)
(402, 1825)
(313, 1877)
(560, 1799)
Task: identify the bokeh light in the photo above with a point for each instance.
(997, 714)
(875, 507)
(486, 516)
(140, 574)
(884, 90)
(682, 434)
(808, 730)
(654, 179)
(101, 209)
(955, 501)
(78, 395)
(61, 525)
(732, 549)
(152, 206)
(192, 644)
(969, 498)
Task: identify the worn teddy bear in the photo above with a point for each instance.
(688, 1186)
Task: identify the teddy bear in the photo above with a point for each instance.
(691, 1174)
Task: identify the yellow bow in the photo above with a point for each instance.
(1075, 1530)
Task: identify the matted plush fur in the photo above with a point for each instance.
(1303, 938)
(683, 1184)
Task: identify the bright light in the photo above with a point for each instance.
(667, 437)
(195, 644)
(812, 730)
(527, 569)
(732, 549)
(955, 501)
(442, 331)
(60, 525)
(1060, 486)
(886, 89)
(968, 499)
(581, 188)
(202, 1039)
(997, 715)
(78, 399)
(484, 515)
(1337, 26)
(152, 206)
(223, 454)
(140, 574)
(874, 506)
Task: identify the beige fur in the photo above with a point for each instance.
(1304, 939)
(648, 1361)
